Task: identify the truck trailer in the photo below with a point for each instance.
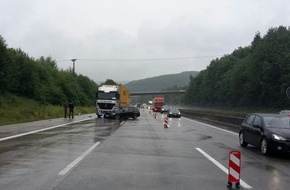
(110, 99)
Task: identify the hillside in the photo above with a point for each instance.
(161, 82)
(41, 80)
(253, 76)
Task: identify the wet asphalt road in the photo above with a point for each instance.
(34, 161)
(139, 154)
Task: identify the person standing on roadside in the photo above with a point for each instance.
(65, 106)
(71, 109)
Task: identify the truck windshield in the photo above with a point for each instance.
(107, 96)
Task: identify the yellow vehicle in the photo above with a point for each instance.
(110, 99)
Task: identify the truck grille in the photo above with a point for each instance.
(106, 106)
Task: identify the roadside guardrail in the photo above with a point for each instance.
(216, 118)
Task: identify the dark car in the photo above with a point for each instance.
(164, 108)
(128, 112)
(173, 112)
(270, 132)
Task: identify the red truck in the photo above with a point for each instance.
(157, 103)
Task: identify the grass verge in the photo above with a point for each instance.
(14, 109)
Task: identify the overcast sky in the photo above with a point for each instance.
(128, 40)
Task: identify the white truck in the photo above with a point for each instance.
(110, 99)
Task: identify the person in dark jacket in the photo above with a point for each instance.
(71, 109)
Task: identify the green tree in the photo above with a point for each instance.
(257, 75)
(109, 82)
(3, 65)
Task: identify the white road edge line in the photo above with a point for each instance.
(40, 130)
(78, 159)
(211, 126)
(242, 183)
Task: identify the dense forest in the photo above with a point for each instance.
(253, 76)
(41, 80)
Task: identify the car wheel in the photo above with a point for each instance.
(117, 117)
(242, 141)
(135, 116)
(264, 146)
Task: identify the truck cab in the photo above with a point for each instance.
(110, 99)
(157, 104)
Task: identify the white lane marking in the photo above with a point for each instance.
(211, 126)
(122, 122)
(224, 169)
(40, 130)
(78, 159)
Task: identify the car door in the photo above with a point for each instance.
(126, 113)
(122, 113)
(130, 112)
(256, 132)
(246, 127)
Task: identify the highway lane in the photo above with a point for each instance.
(141, 154)
(35, 161)
(261, 172)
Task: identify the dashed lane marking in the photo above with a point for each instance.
(78, 159)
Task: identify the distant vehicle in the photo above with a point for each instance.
(126, 113)
(284, 112)
(157, 103)
(164, 108)
(270, 132)
(173, 112)
(111, 98)
(144, 106)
